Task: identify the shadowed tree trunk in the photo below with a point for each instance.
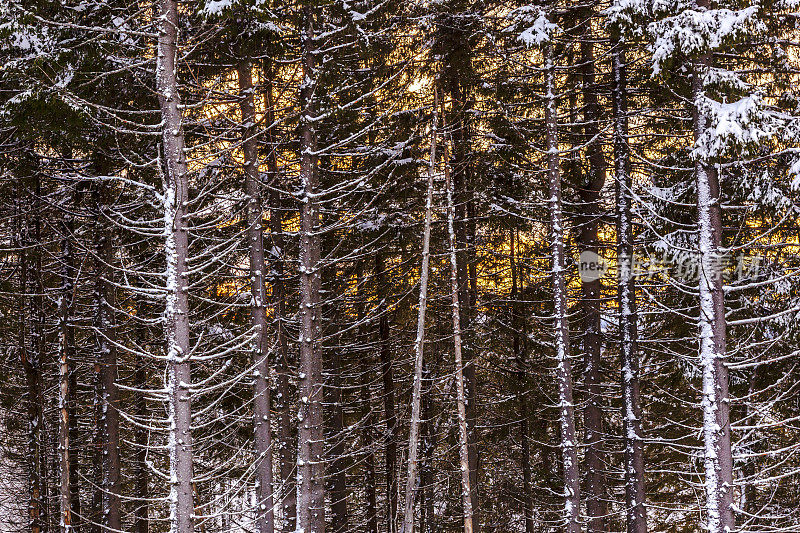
(368, 420)
(31, 365)
(68, 501)
(387, 373)
(265, 516)
(310, 460)
(636, 514)
(520, 357)
(111, 504)
(285, 421)
(591, 287)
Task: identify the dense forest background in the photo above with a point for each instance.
(331, 265)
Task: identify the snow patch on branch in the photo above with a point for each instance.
(731, 125)
(693, 31)
(537, 28)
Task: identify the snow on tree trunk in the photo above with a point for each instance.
(111, 504)
(463, 441)
(636, 514)
(310, 460)
(265, 517)
(392, 429)
(569, 448)
(591, 287)
(718, 462)
(176, 314)
(284, 419)
(31, 364)
(419, 343)
(66, 389)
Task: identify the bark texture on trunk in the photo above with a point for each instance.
(463, 442)
(337, 471)
(520, 357)
(286, 448)
(588, 241)
(464, 230)
(31, 365)
(68, 502)
(712, 324)
(368, 419)
(141, 512)
(310, 460)
(265, 516)
(569, 449)
(419, 343)
(636, 513)
(387, 372)
(111, 504)
(176, 316)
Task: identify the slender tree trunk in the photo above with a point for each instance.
(464, 228)
(176, 250)
(368, 418)
(338, 470)
(265, 516)
(636, 514)
(66, 358)
(31, 365)
(428, 521)
(419, 343)
(387, 373)
(463, 443)
(589, 244)
(141, 473)
(40, 351)
(712, 326)
(337, 456)
(95, 514)
(110, 508)
(520, 357)
(369, 468)
(563, 368)
(310, 460)
(285, 420)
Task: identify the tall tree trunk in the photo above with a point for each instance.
(428, 521)
(337, 456)
(265, 516)
(40, 347)
(66, 402)
(464, 228)
(111, 510)
(371, 511)
(520, 357)
(636, 514)
(591, 287)
(712, 324)
(564, 368)
(419, 343)
(282, 405)
(463, 443)
(31, 365)
(387, 373)
(368, 418)
(176, 250)
(310, 465)
(141, 472)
